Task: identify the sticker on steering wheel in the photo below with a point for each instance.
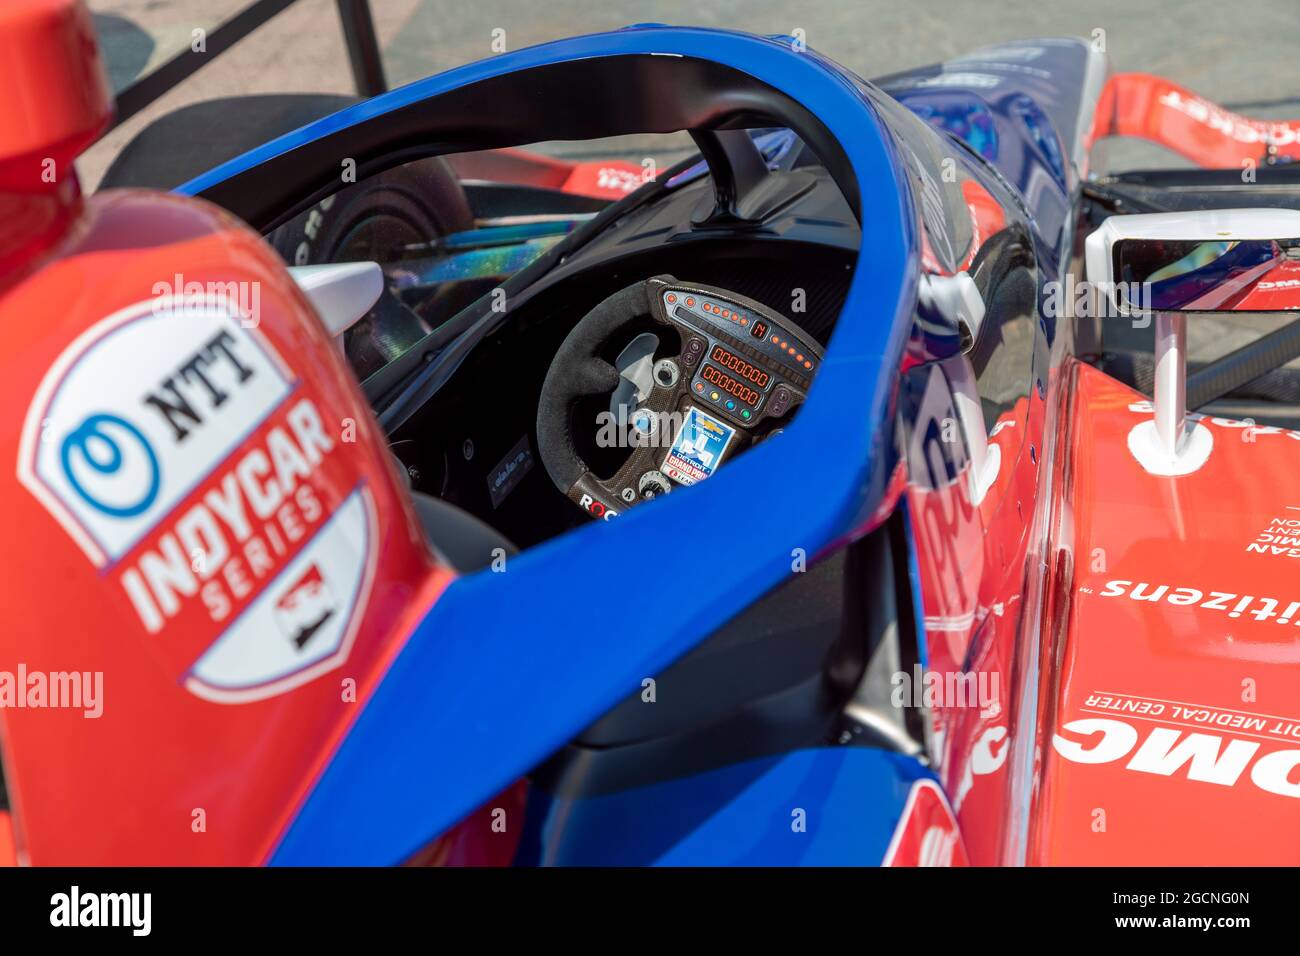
(698, 448)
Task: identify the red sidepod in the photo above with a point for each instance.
(1166, 717)
(1172, 718)
(210, 562)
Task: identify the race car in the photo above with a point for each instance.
(391, 493)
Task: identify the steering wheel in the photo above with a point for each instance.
(694, 373)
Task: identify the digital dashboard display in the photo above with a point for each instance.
(759, 329)
(720, 379)
(736, 364)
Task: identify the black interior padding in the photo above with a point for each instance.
(578, 370)
(756, 686)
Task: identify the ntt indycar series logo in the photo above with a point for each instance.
(178, 450)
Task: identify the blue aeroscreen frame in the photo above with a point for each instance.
(507, 667)
(823, 807)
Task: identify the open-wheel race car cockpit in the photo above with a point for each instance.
(605, 332)
(664, 440)
(653, 352)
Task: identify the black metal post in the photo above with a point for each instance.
(363, 47)
(185, 64)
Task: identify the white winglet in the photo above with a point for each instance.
(957, 297)
(341, 292)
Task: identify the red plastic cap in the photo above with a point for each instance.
(56, 98)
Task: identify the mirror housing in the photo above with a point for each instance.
(1191, 275)
(1203, 261)
(1171, 264)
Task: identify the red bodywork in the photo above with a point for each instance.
(1152, 108)
(1166, 695)
(289, 508)
(1141, 628)
(1173, 686)
(182, 754)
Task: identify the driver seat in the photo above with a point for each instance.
(459, 539)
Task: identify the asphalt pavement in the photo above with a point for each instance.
(1240, 54)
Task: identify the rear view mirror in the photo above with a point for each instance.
(1168, 265)
(1204, 261)
(1191, 275)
